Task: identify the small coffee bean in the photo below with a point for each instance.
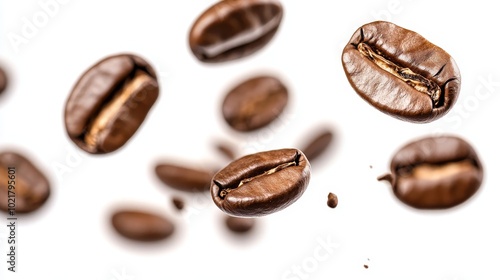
(184, 178)
(332, 201)
(110, 102)
(400, 73)
(254, 103)
(234, 29)
(23, 187)
(239, 225)
(435, 172)
(178, 203)
(262, 183)
(142, 226)
(318, 144)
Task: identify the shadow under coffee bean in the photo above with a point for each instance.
(109, 103)
(262, 183)
(400, 73)
(234, 29)
(19, 176)
(435, 172)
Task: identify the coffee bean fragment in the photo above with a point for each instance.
(109, 103)
(178, 203)
(23, 187)
(401, 73)
(239, 225)
(234, 29)
(142, 225)
(262, 183)
(318, 144)
(254, 103)
(332, 201)
(184, 178)
(436, 172)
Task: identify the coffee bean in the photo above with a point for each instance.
(23, 187)
(142, 226)
(184, 178)
(3, 81)
(254, 103)
(262, 183)
(239, 225)
(332, 201)
(234, 29)
(318, 144)
(435, 172)
(400, 73)
(226, 150)
(178, 203)
(110, 102)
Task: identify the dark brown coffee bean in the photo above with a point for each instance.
(254, 103)
(3, 81)
(332, 201)
(142, 226)
(239, 225)
(23, 187)
(400, 73)
(435, 172)
(233, 29)
(178, 203)
(262, 183)
(110, 102)
(184, 178)
(318, 144)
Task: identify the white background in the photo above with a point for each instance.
(70, 237)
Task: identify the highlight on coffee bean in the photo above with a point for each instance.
(436, 172)
(401, 73)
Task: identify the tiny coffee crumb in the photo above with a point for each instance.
(332, 200)
(178, 203)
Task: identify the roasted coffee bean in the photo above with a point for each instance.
(318, 144)
(184, 178)
(226, 150)
(254, 103)
(233, 29)
(3, 81)
(435, 172)
(23, 187)
(401, 73)
(332, 201)
(178, 203)
(110, 102)
(239, 225)
(142, 226)
(262, 183)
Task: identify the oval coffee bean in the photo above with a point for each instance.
(184, 178)
(332, 200)
(239, 225)
(23, 187)
(318, 144)
(142, 226)
(254, 103)
(109, 103)
(233, 29)
(3, 81)
(435, 172)
(262, 183)
(400, 73)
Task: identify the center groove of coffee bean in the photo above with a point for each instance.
(418, 82)
(111, 108)
(282, 166)
(435, 171)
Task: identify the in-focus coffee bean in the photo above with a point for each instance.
(3, 80)
(184, 178)
(239, 225)
(435, 172)
(109, 103)
(318, 144)
(254, 103)
(234, 29)
(23, 187)
(400, 73)
(332, 201)
(262, 183)
(141, 225)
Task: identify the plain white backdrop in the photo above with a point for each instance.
(70, 237)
